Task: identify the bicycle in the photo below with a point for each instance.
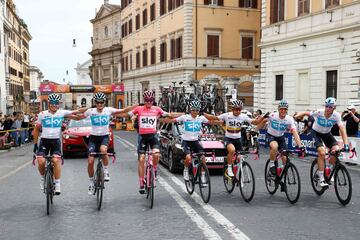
(196, 169)
(339, 175)
(288, 177)
(99, 177)
(149, 178)
(164, 101)
(244, 176)
(250, 138)
(213, 100)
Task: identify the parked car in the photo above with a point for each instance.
(75, 138)
(172, 153)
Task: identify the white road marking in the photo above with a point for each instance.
(15, 170)
(195, 217)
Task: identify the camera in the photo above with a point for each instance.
(346, 111)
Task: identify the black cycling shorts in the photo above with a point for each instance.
(192, 146)
(280, 141)
(327, 138)
(234, 141)
(47, 145)
(148, 140)
(96, 141)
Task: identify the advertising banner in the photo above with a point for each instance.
(117, 88)
(47, 88)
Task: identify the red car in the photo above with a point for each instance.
(76, 138)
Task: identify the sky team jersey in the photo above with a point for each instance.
(322, 124)
(100, 121)
(51, 123)
(233, 124)
(192, 126)
(148, 118)
(277, 126)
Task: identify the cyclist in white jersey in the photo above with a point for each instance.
(99, 135)
(50, 122)
(324, 120)
(233, 121)
(278, 123)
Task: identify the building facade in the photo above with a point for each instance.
(2, 59)
(36, 77)
(310, 50)
(83, 78)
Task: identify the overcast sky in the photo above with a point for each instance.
(53, 24)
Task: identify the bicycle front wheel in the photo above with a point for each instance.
(228, 181)
(343, 185)
(270, 180)
(292, 183)
(314, 178)
(190, 184)
(49, 187)
(151, 179)
(204, 183)
(99, 185)
(247, 182)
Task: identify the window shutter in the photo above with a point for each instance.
(130, 26)
(254, 4)
(153, 55)
(172, 49)
(170, 5)
(207, 2)
(281, 10)
(220, 2)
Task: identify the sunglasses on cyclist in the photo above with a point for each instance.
(99, 102)
(237, 109)
(329, 106)
(285, 109)
(195, 109)
(56, 103)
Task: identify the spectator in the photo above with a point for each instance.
(302, 124)
(25, 126)
(352, 121)
(17, 126)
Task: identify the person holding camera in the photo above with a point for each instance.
(352, 120)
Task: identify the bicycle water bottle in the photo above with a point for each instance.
(279, 168)
(327, 171)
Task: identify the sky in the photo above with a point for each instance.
(53, 24)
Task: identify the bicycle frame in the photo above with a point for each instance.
(148, 168)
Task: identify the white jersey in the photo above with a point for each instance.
(323, 124)
(277, 126)
(51, 123)
(233, 124)
(100, 121)
(192, 126)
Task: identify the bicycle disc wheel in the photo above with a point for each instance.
(228, 181)
(270, 180)
(343, 185)
(314, 178)
(204, 183)
(292, 183)
(99, 186)
(49, 191)
(190, 184)
(151, 188)
(247, 182)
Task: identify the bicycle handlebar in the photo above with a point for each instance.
(46, 157)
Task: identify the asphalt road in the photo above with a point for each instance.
(176, 214)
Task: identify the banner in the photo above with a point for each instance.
(117, 88)
(47, 88)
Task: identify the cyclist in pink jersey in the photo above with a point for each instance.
(147, 117)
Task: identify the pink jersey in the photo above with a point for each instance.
(147, 118)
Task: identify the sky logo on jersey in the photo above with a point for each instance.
(52, 122)
(325, 122)
(234, 124)
(99, 121)
(192, 126)
(278, 126)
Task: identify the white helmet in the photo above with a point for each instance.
(99, 96)
(236, 103)
(330, 101)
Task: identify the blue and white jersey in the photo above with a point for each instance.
(51, 123)
(277, 126)
(323, 124)
(100, 120)
(192, 126)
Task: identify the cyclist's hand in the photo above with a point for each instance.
(266, 115)
(35, 148)
(346, 148)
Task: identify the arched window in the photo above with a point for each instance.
(106, 31)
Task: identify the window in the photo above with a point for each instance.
(126, 63)
(172, 49)
(171, 5)
(116, 28)
(213, 46)
(277, 11)
(303, 87)
(163, 52)
(247, 47)
(125, 29)
(152, 12)
(248, 3)
(130, 26)
(178, 44)
(331, 83)
(331, 3)
(153, 55)
(214, 2)
(162, 7)
(138, 60)
(279, 87)
(144, 17)
(144, 53)
(106, 31)
(130, 62)
(303, 7)
(137, 21)
(179, 3)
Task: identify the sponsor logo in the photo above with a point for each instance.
(99, 121)
(52, 122)
(192, 126)
(325, 123)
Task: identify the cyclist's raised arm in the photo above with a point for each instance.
(300, 115)
(261, 124)
(173, 115)
(211, 117)
(75, 117)
(123, 112)
(259, 119)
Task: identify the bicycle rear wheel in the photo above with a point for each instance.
(151, 179)
(204, 183)
(314, 178)
(99, 185)
(49, 187)
(343, 185)
(247, 182)
(190, 184)
(270, 179)
(292, 183)
(228, 181)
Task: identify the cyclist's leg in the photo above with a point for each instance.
(41, 153)
(230, 150)
(331, 143)
(155, 146)
(91, 159)
(187, 159)
(141, 162)
(282, 146)
(56, 159)
(104, 143)
(273, 144)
